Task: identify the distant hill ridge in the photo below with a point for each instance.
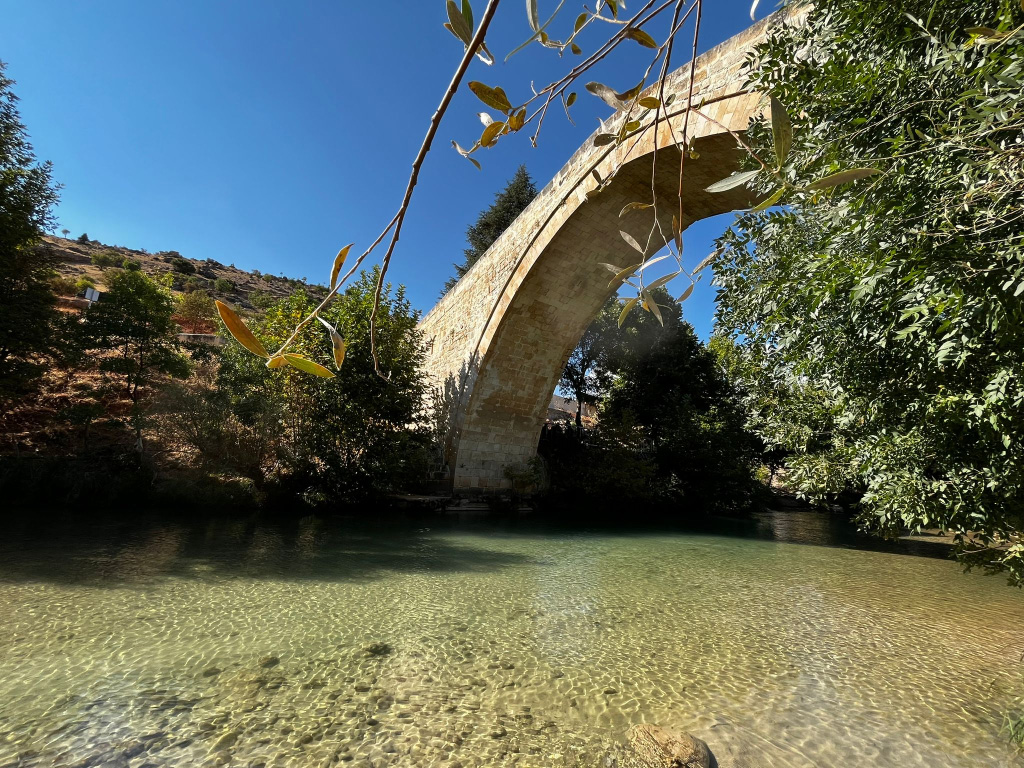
(247, 289)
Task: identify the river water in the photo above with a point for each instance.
(467, 643)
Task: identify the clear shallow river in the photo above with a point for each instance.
(435, 643)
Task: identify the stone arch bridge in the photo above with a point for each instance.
(498, 340)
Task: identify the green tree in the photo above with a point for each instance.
(349, 436)
(196, 312)
(507, 205)
(880, 325)
(605, 346)
(674, 393)
(27, 195)
(133, 330)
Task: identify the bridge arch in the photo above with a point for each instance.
(499, 339)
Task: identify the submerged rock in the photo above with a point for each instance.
(655, 747)
(378, 649)
(269, 661)
(211, 671)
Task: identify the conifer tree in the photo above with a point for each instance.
(27, 194)
(507, 205)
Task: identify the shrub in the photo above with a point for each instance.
(106, 260)
(63, 286)
(84, 282)
(184, 266)
(223, 285)
(84, 238)
(131, 265)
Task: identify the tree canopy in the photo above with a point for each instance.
(27, 195)
(881, 324)
(508, 204)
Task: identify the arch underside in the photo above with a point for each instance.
(499, 339)
(561, 294)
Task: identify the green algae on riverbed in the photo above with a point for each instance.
(321, 644)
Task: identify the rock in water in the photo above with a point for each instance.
(657, 747)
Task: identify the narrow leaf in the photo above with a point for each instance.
(731, 182)
(641, 37)
(753, 8)
(537, 32)
(532, 16)
(844, 177)
(580, 21)
(465, 154)
(485, 118)
(663, 280)
(239, 330)
(631, 241)
(626, 310)
(648, 263)
(623, 274)
(492, 97)
(686, 294)
(604, 139)
(462, 30)
(307, 366)
(649, 102)
(782, 131)
(577, 51)
(467, 13)
(339, 260)
(605, 94)
(652, 306)
(632, 93)
(769, 202)
(337, 343)
(276, 361)
(634, 207)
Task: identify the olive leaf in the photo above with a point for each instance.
(631, 241)
(570, 99)
(492, 97)
(462, 30)
(651, 306)
(485, 118)
(626, 310)
(605, 94)
(337, 343)
(843, 177)
(686, 294)
(276, 361)
(632, 93)
(731, 182)
(306, 365)
(621, 274)
(649, 102)
(663, 280)
(634, 207)
(467, 13)
(769, 202)
(466, 153)
(580, 21)
(537, 31)
(641, 37)
(240, 331)
(604, 139)
(339, 260)
(782, 131)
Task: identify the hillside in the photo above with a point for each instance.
(226, 282)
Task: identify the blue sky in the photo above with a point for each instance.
(267, 134)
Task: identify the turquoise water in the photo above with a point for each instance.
(440, 644)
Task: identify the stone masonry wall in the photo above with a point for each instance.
(499, 339)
